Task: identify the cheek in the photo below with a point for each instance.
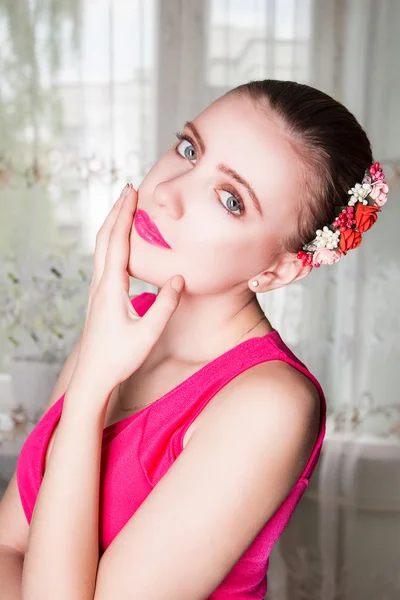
(218, 258)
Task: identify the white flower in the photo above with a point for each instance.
(326, 238)
(359, 192)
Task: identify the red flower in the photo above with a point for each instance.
(366, 217)
(349, 240)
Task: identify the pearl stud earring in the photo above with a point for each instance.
(255, 283)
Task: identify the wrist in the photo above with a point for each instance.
(88, 374)
(87, 389)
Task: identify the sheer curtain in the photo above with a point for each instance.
(78, 119)
(94, 94)
(344, 539)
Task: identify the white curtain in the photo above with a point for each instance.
(344, 539)
(98, 97)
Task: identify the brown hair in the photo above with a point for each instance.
(330, 142)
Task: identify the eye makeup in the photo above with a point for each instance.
(181, 136)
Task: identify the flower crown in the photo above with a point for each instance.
(332, 241)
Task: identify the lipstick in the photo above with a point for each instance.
(148, 230)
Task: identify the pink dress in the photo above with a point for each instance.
(137, 452)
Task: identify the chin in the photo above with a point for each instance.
(142, 272)
(138, 273)
(143, 265)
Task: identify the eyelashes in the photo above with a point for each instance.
(229, 212)
(181, 136)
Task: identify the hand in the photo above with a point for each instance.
(115, 339)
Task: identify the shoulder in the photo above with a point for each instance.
(272, 402)
(270, 387)
(276, 376)
(278, 386)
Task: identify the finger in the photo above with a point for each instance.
(157, 316)
(117, 255)
(105, 229)
(103, 235)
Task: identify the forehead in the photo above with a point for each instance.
(237, 132)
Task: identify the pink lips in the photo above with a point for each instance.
(148, 230)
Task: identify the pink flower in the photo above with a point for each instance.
(326, 256)
(379, 193)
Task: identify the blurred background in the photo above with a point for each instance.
(91, 94)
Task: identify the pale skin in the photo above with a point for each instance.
(237, 442)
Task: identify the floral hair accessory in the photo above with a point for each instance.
(345, 233)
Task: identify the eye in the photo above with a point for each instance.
(188, 151)
(232, 201)
(189, 148)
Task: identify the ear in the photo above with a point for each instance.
(288, 270)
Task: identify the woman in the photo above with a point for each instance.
(189, 430)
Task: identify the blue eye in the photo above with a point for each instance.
(230, 201)
(189, 155)
(184, 138)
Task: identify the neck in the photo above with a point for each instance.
(203, 327)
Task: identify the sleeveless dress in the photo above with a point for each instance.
(138, 450)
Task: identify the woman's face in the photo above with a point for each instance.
(219, 239)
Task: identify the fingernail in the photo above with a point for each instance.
(125, 190)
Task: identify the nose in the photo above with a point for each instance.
(168, 195)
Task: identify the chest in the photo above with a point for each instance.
(144, 387)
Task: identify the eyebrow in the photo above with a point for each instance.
(225, 169)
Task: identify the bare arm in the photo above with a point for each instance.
(235, 471)
(62, 556)
(14, 527)
(11, 565)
